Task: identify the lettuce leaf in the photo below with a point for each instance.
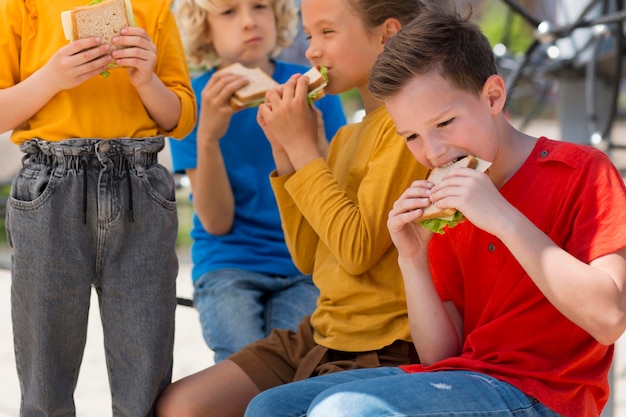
(438, 225)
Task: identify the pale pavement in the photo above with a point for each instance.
(190, 352)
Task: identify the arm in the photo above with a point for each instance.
(592, 294)
(139, 57)
(347, 205)
(213, 198)
(436, 327)
(69, 67)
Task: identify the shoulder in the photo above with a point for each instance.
(575, 156)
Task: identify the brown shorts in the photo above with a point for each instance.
(285, 356)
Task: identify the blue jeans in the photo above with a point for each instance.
(238, 307)
(88, 213)
(381, 392)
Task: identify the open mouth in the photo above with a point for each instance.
(452, 162)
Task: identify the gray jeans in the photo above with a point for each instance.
(101, 213)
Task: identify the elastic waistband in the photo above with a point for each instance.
(135, 151)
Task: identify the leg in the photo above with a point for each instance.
(231, 309)
(222, 390)
(288, 305)
(137, 285)
(294, 399)
(51, 287)
(427, 394)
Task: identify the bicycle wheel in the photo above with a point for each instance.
(563, 50)
(603, 74)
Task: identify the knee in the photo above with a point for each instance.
(347, 404)
(261, 406)
(169, 404)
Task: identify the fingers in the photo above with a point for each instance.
(88, 50)
(221, 88)
(413, 201)
(136, 49)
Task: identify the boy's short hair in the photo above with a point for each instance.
(194, 27)
(438, 39)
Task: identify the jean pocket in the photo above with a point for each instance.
(31, 187)
(160, 185)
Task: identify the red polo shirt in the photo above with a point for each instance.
(576, 196)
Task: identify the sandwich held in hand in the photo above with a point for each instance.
(253, 93)
(100, 18)
(318, 80)
(436, 219)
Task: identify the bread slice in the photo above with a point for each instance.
(435, 176)
(253, 93)
(103, 19)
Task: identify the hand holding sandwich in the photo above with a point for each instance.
(215, 108)
(290, 121)
(462, 189)
(137, 54)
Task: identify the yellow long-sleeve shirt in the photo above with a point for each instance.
(31, 32)
(335, 219)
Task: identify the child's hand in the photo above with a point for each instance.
(293, 123)
(76, 62)
(139, 56)
(215, 109)
(473, 194)
(408, 236)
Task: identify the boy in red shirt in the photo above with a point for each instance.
(515, 310)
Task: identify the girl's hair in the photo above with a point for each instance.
(375, 12)
(194, 26)
(438, 39)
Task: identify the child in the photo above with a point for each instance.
(245, 283)
(91, 206)
(333, 216)
(521, 305)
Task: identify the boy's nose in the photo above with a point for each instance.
(247, 19)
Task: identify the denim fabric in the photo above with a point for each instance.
(381, 392)
(75, 222)
(238, 307)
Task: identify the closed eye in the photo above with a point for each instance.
(412, 137)
(446, 123)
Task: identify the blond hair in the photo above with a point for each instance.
(194, 27)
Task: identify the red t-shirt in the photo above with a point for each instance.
(577, 197)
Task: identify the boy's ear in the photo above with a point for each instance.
(494, 90)
(390, 27)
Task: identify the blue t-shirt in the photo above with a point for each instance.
(256, 242)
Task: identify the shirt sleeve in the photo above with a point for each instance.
(172, 69)
(354, 229)
(333, 114)
(11, 17)
(598, 206)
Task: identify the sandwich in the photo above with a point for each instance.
(318, 80)
(100, 18)
(436, 219)
(253, 93)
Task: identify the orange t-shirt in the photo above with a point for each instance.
(512, 332)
